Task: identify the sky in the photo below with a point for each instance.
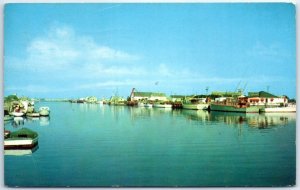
(100, 49)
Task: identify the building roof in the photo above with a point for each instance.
(149, 94)
(177, 96)
(226, 94)
(261, 94)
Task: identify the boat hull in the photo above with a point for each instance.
(195, 106)
(33, 114)
(17, 114)
(141, 104)
(278, 109)
(25, 143)
(227, 108)
(44, 113)
(162, 105)
(148, 105)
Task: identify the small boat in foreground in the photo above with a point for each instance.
(44, 111)
(21, 139)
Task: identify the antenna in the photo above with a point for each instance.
(207, 90)
(237, 86)
(268, 88)
(245, 87)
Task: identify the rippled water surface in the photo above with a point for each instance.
(101, 145)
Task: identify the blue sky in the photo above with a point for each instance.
(78, 50)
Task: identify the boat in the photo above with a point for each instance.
(17, 114)
(278, 109)
(199, 106)
(195, 103)
(33, 114)
(141, 104)
(21, 139)
(44, 111)
(233, 108)
(162, 105)
(148, 105)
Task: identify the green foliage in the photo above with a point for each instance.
(11, 98)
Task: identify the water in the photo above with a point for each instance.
(101, 145)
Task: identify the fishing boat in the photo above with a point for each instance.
(234, 105)
(195, 104)
(44, 111)
(162, 105)
(233, 108)
(21, 139)
(290, 108)
(201, 106)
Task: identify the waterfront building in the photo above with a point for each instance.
(91, 99)
(177, 98)
(152, 96)
(263, 98)
(226, 94)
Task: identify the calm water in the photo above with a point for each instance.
(100, 145)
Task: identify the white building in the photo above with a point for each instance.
(266, 99)
(152, 96)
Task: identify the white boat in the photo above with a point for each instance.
(158, 105)
(148, 105)
(17, 114)
(141, 104)
(21, 139)
(34, 114)
(44, 111)
(191, 106)
(279, 109)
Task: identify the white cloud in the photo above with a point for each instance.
(61, 48)
(271, 51)
(33, 89)
(108, 84)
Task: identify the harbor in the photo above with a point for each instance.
(81, 141)
(149, 95)
(254, 102)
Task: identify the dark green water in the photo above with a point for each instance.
(94, 145)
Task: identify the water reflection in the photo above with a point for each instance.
(196, 115)
(21, 152)
(88, 107)
(253, 120)
(271, 119)
(17, 121)
(44, 121)
(21, 121)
